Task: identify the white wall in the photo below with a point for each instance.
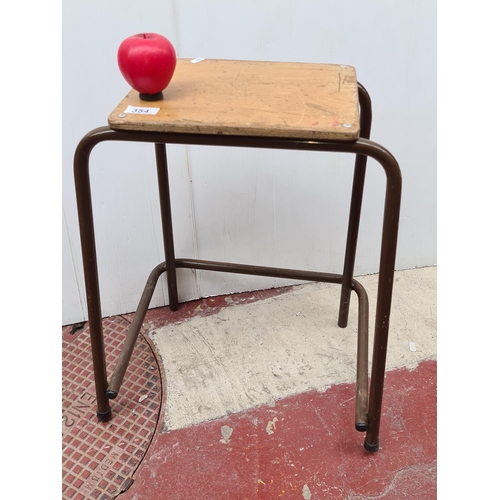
(264, 207)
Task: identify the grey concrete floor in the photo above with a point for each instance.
(253, 354)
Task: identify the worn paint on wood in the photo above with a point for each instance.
(271, 99)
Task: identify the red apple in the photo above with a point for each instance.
(147, 62)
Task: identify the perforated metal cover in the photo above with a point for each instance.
(98, 458)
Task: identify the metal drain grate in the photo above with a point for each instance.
(100, 458)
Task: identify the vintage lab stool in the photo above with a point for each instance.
(294, 106)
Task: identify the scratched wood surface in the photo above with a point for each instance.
(272, 99)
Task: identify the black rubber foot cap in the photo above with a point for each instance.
(111, 394)
(104, 417)
(372, 448)
(361, 426)
(151, 97)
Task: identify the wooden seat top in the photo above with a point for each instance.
(250, 98)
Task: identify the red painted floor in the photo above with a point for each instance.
(305, 447)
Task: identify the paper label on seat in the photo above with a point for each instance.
(134, 110)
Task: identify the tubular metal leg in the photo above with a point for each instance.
(86, 222)
(166, 219)
(384, 297)
(355, 210)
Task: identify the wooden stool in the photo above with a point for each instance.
(295, 106)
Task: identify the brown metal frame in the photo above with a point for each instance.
(368, 409)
